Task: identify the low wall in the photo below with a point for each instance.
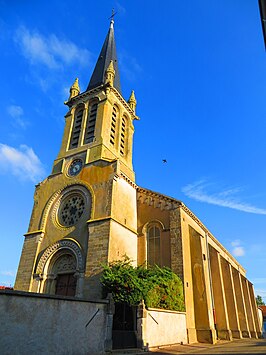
(162, 327)
(262, 322)
(41, 324)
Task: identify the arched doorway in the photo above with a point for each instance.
(63, 271)
(60, 270)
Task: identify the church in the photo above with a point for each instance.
(89, 211)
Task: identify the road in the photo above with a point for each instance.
(242, 346)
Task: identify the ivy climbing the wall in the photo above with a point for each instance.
(158, 287)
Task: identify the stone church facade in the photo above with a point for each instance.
(89, 211)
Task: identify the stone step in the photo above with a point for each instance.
(132, 351)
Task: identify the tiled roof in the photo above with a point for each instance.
(6, 288)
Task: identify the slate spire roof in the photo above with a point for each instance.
(107, 54)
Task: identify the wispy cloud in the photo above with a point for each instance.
(238, 249)
(22, 162)
(259, 280)
(129, 66)
(17, 113)
(7, 273)
(119, 8)
(261, 292)
(50, 51)
(235, 243)
(226, 198)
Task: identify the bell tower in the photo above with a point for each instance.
(85, 211)
(99, 122)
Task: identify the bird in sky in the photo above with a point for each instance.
(164, 161)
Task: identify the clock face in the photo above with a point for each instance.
(75, 167)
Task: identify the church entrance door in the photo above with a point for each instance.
(124, 326)
(66, 285)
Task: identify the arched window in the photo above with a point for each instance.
(90, 125)
(123, 136)
(76, 129)
(153, 245)
(113, 125)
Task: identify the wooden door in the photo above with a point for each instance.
(66, 285)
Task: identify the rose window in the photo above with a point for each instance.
(71, 210)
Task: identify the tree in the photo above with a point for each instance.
(259, 301)
(158, 287)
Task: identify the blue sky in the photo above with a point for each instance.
(199, 74)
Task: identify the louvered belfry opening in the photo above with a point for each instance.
(76, 129)
(113, 126)
(90, 126)
(122, 139)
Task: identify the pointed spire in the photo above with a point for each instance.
(132, 101)
(108, 54)
(74, 90)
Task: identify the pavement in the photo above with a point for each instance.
(241, 346)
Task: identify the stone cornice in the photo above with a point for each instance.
(110, 218)
(83, 95)
(195, 218)
(156, 199)
(128, 180)
(38, 232)
(86, 94)
(123, 101)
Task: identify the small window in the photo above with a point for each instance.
(76, 129)
(113, 125)
(153, 246)
(90, 126)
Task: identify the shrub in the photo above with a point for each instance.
(158, 287)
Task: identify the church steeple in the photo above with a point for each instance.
(108, 54)
(99, 123)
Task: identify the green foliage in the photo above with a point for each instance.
(259, 301)
(167, 290)
(158, 287)
(120, 279)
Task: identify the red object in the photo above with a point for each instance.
(263, 308)
(6, 288)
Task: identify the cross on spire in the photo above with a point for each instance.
(113, 14)
(112, 17)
